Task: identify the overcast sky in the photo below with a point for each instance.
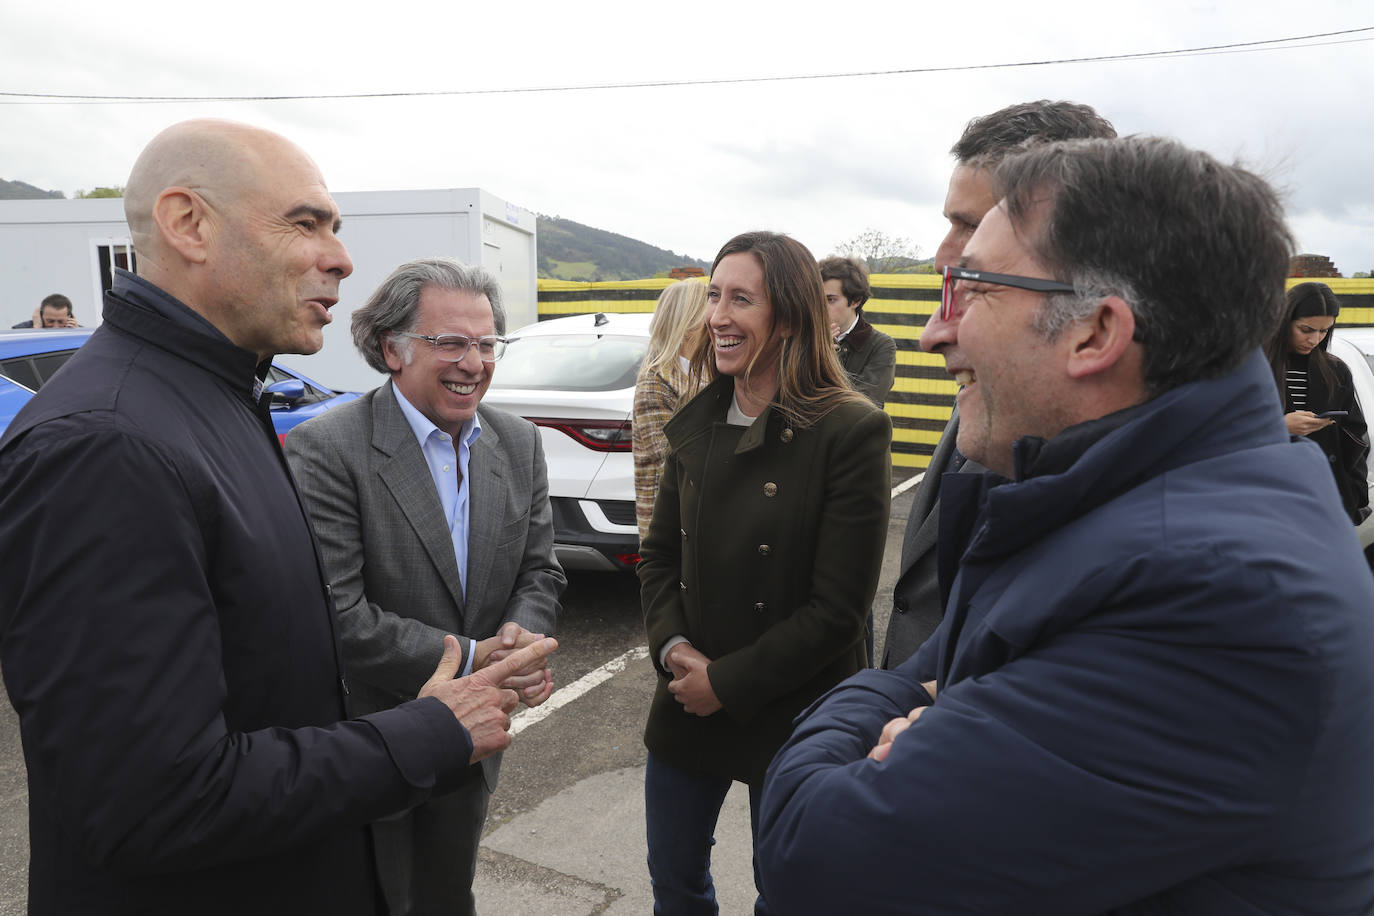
(687, 167)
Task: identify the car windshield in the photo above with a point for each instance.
(1364, 346)
(576, 362)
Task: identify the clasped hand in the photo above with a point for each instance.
(480, 701)
(533, 685)
(690, 685)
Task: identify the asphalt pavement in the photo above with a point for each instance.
(579, 849)
(565, 833)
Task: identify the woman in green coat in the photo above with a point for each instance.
(763, 553)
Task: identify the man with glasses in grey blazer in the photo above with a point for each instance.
(433, 516)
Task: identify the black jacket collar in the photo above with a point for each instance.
(142, 310)
(857, 336)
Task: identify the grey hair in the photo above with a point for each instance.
(1060, 310)
(394, 306)
(1197, 249)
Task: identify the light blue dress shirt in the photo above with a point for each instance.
(444, 462)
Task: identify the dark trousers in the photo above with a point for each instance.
(681, 810)
(427, 856)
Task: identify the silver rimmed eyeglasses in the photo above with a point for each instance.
(955, 274)
(451, 348)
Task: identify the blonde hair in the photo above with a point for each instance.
(678, 317)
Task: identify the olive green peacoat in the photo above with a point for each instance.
(764, 552)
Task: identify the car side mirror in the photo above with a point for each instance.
(289, 391)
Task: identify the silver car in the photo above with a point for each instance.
(574, 378)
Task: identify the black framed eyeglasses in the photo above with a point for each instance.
(451, 348)
(955, 274)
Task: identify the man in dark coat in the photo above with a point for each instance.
(917, 601)
(868, 355)
(167, 636)
(1154, 691)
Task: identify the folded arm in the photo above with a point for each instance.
(1068, 780)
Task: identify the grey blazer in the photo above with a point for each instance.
(917, 605)
(388, 553)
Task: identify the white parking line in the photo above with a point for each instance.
(906, 485)
(565, 695)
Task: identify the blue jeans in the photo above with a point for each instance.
(680, 813)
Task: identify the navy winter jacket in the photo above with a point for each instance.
(1156, 692)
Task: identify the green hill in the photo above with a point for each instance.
(572, 251)
(19, 190)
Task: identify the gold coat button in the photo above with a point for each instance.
(764, 550)
(684, 533)
(787, 435)
(759, 607)
(770, 489)
(682, 585)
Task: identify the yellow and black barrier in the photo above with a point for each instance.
(923, 394)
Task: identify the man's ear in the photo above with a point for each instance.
(183, 221)
(392, 354)
(1101, 340)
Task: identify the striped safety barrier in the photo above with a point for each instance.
(923, 394)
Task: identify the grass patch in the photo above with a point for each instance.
(572, 270)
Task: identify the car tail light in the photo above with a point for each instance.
(602, 435)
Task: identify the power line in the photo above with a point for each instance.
(1270, 44)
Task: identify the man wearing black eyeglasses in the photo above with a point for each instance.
(1153, 683)
(433, 517)
(917, 602)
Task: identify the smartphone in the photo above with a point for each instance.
(1333, 414)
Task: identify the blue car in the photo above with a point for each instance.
(29, 358)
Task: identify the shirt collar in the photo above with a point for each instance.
(424, 428)
(845, 332)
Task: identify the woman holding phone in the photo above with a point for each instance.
(763, 551)
(1318, 394)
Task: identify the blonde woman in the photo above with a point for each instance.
(663, 384)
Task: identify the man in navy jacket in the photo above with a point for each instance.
(167, 636)
(1154, 683)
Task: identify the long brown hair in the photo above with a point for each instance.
(811, 381)
(1306, 300)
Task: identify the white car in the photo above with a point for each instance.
(1355, 347)
(575, 379)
